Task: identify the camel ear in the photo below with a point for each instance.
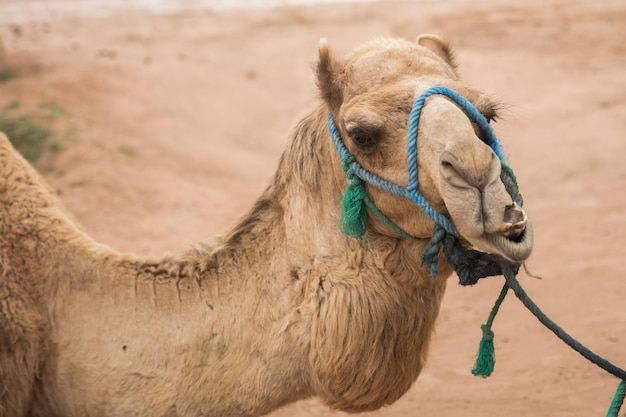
(437, 45)
(329, 76)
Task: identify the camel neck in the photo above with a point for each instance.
(284, 300)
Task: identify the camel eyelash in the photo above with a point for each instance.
(491, 116)
(491, 111)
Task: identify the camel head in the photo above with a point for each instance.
(370, 95)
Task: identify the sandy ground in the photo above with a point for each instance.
(177, 123)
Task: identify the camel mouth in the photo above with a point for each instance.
(514, 223)
(497, 226)
(515, 244)
(515, 235)
(512, 239)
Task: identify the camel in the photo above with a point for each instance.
(283, 306)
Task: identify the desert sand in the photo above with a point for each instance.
(175, 124)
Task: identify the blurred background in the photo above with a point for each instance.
(159, 122)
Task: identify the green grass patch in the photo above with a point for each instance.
(6, 74)
(53, 111)
(127, 150)
(56, 145)
(38, 133)
(13, 105)
(27, 135)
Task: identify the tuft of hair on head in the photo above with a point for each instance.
(329, 72)
(439, 46)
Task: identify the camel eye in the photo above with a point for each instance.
(363, 137)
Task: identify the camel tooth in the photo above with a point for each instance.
(506, 227)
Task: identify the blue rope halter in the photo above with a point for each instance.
(411, 191)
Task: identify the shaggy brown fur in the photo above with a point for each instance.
(283, 307)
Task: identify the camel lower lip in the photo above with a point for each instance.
(517, 249)
(515, 234)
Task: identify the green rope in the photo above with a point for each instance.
(390, 224)
(510, 173)
(486, 359)
(510, 183)
(618, 400)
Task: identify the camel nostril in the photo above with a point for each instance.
(447, 164)
(470, 165)
(452, 174)
(457, 173)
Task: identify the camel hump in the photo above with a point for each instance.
(4, 140)
(11, 161)
(21, 185)
(8, 153)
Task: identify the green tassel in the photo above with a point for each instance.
(353, 211)
(486, 359)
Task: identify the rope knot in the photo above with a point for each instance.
(430, 257)
(346, 161)
(487, 333)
